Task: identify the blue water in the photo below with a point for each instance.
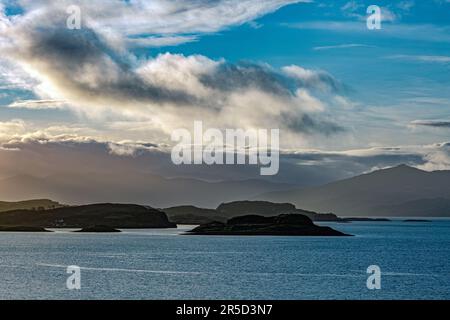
(162, 264)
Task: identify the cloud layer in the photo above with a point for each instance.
(93, 72)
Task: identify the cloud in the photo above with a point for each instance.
(38, 104)
(421, 58)
(406, 5)
(312, 79)
(342, 46)
(66, 157)
(80, 64)
(438, 157)
(95, 76)
(12, 127)
(158, 41)
(417, 32)
(387, 15)
(352, 6)
(353, 162)
(357, 10)
(124, 20)
(432, 123)
(307, 124)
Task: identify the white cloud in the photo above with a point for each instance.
(38, 104)
(92, 72)
(418, 32)
(12, 127)
(164, 41)
(124, 20)
(431, 123)
(342, 46)
(421, 58)
(387, 15)
(92, 77)
(406, 5)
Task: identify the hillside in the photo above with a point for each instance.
(39, 204)
(108, 215)
(280, 225)
(124, 187)
(225, 211)
(397, 191)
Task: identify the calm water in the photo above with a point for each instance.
(161, 264)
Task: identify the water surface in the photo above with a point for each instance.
(162, 264)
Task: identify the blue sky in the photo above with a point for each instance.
(390, 70)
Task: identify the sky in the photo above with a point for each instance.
(347, 100)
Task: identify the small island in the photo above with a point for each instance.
(99, 229)
(22, 229)
(254, 225)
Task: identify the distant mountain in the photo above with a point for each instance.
(193, 215)
(269, 209)
(125, 187)
(225, 211)
(107, 215)
(398, 191)
(39, 204)
(439, 207)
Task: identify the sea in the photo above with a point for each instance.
(413, 260)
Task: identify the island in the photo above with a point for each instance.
(120, 216)
(22, 229)
(193, 215)
(188, 214)
(99, 229)
(254, 225)
(416, 220)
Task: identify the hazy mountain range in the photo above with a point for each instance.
(398, 191)
(125, 187)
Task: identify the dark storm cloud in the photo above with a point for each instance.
(72, 55)
(94, 72)
(432, 123)
(231, 77)
(309, 125)
(381, 157)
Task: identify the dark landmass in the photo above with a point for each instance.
(225, 211)
(430, 207)
(193, 215)
(124, 216)
(400, 191)
(22, 229)
(416, 220)
(36, 205)
(253, 225)
(98, 229)
(269, 209)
